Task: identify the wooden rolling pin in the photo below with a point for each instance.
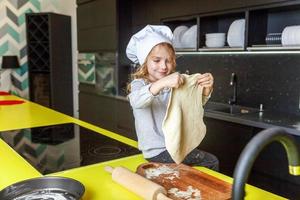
(137, 184)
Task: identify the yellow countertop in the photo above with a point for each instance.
(30, 114)
(13, 167)
(98, 183)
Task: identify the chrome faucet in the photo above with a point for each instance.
(251, 151)
(233, 84)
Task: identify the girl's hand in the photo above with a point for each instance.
(206, 80)
(173, 80)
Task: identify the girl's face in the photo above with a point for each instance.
(159, 62)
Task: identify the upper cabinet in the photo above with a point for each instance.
(217, 5)
(82, 1)
(106, 25)
(262, 2)
(96, 21)
(152, 11)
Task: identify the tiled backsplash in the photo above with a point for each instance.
(86, 68)
(98, 69)
(269, 79)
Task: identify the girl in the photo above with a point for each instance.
(150, 90)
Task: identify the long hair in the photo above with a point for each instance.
(142, 71)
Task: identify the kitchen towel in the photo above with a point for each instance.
(183, 125)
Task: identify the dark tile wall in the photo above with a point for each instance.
(270, 79)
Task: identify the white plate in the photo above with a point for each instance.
(177, 33)
(189, 38)
(291, 36)
(236, 33)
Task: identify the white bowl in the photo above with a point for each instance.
(215, 43)
(236, 33)
(215, 35)
(215, 40)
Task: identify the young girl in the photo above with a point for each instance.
(150, 90)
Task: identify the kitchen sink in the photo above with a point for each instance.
(228, 109)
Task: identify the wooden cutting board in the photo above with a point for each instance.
(187, 180)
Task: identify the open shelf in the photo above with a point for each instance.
(185, 49)
(181, 42)
(226, 48)
(263, 27)
(180, 21)
(271, 21)
(217, 24)
(273, 48)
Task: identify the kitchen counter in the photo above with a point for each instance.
(101, 186)
(98, 183)
(30, 114)
(265, 119)
(26, 115)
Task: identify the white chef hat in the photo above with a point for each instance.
(143, 41)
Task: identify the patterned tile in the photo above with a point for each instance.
(13, 36)
(86, 68)
(13, 42)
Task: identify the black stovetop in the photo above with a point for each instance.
(59, 147)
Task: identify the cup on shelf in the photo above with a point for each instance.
(236, 33)
(215, 40)
(291, 36)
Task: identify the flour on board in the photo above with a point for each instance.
(165, 170)
(189, 194)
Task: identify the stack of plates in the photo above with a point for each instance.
(236, 33)
(185, 37)
(273, 38)
(291, 36)
(215, 40)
